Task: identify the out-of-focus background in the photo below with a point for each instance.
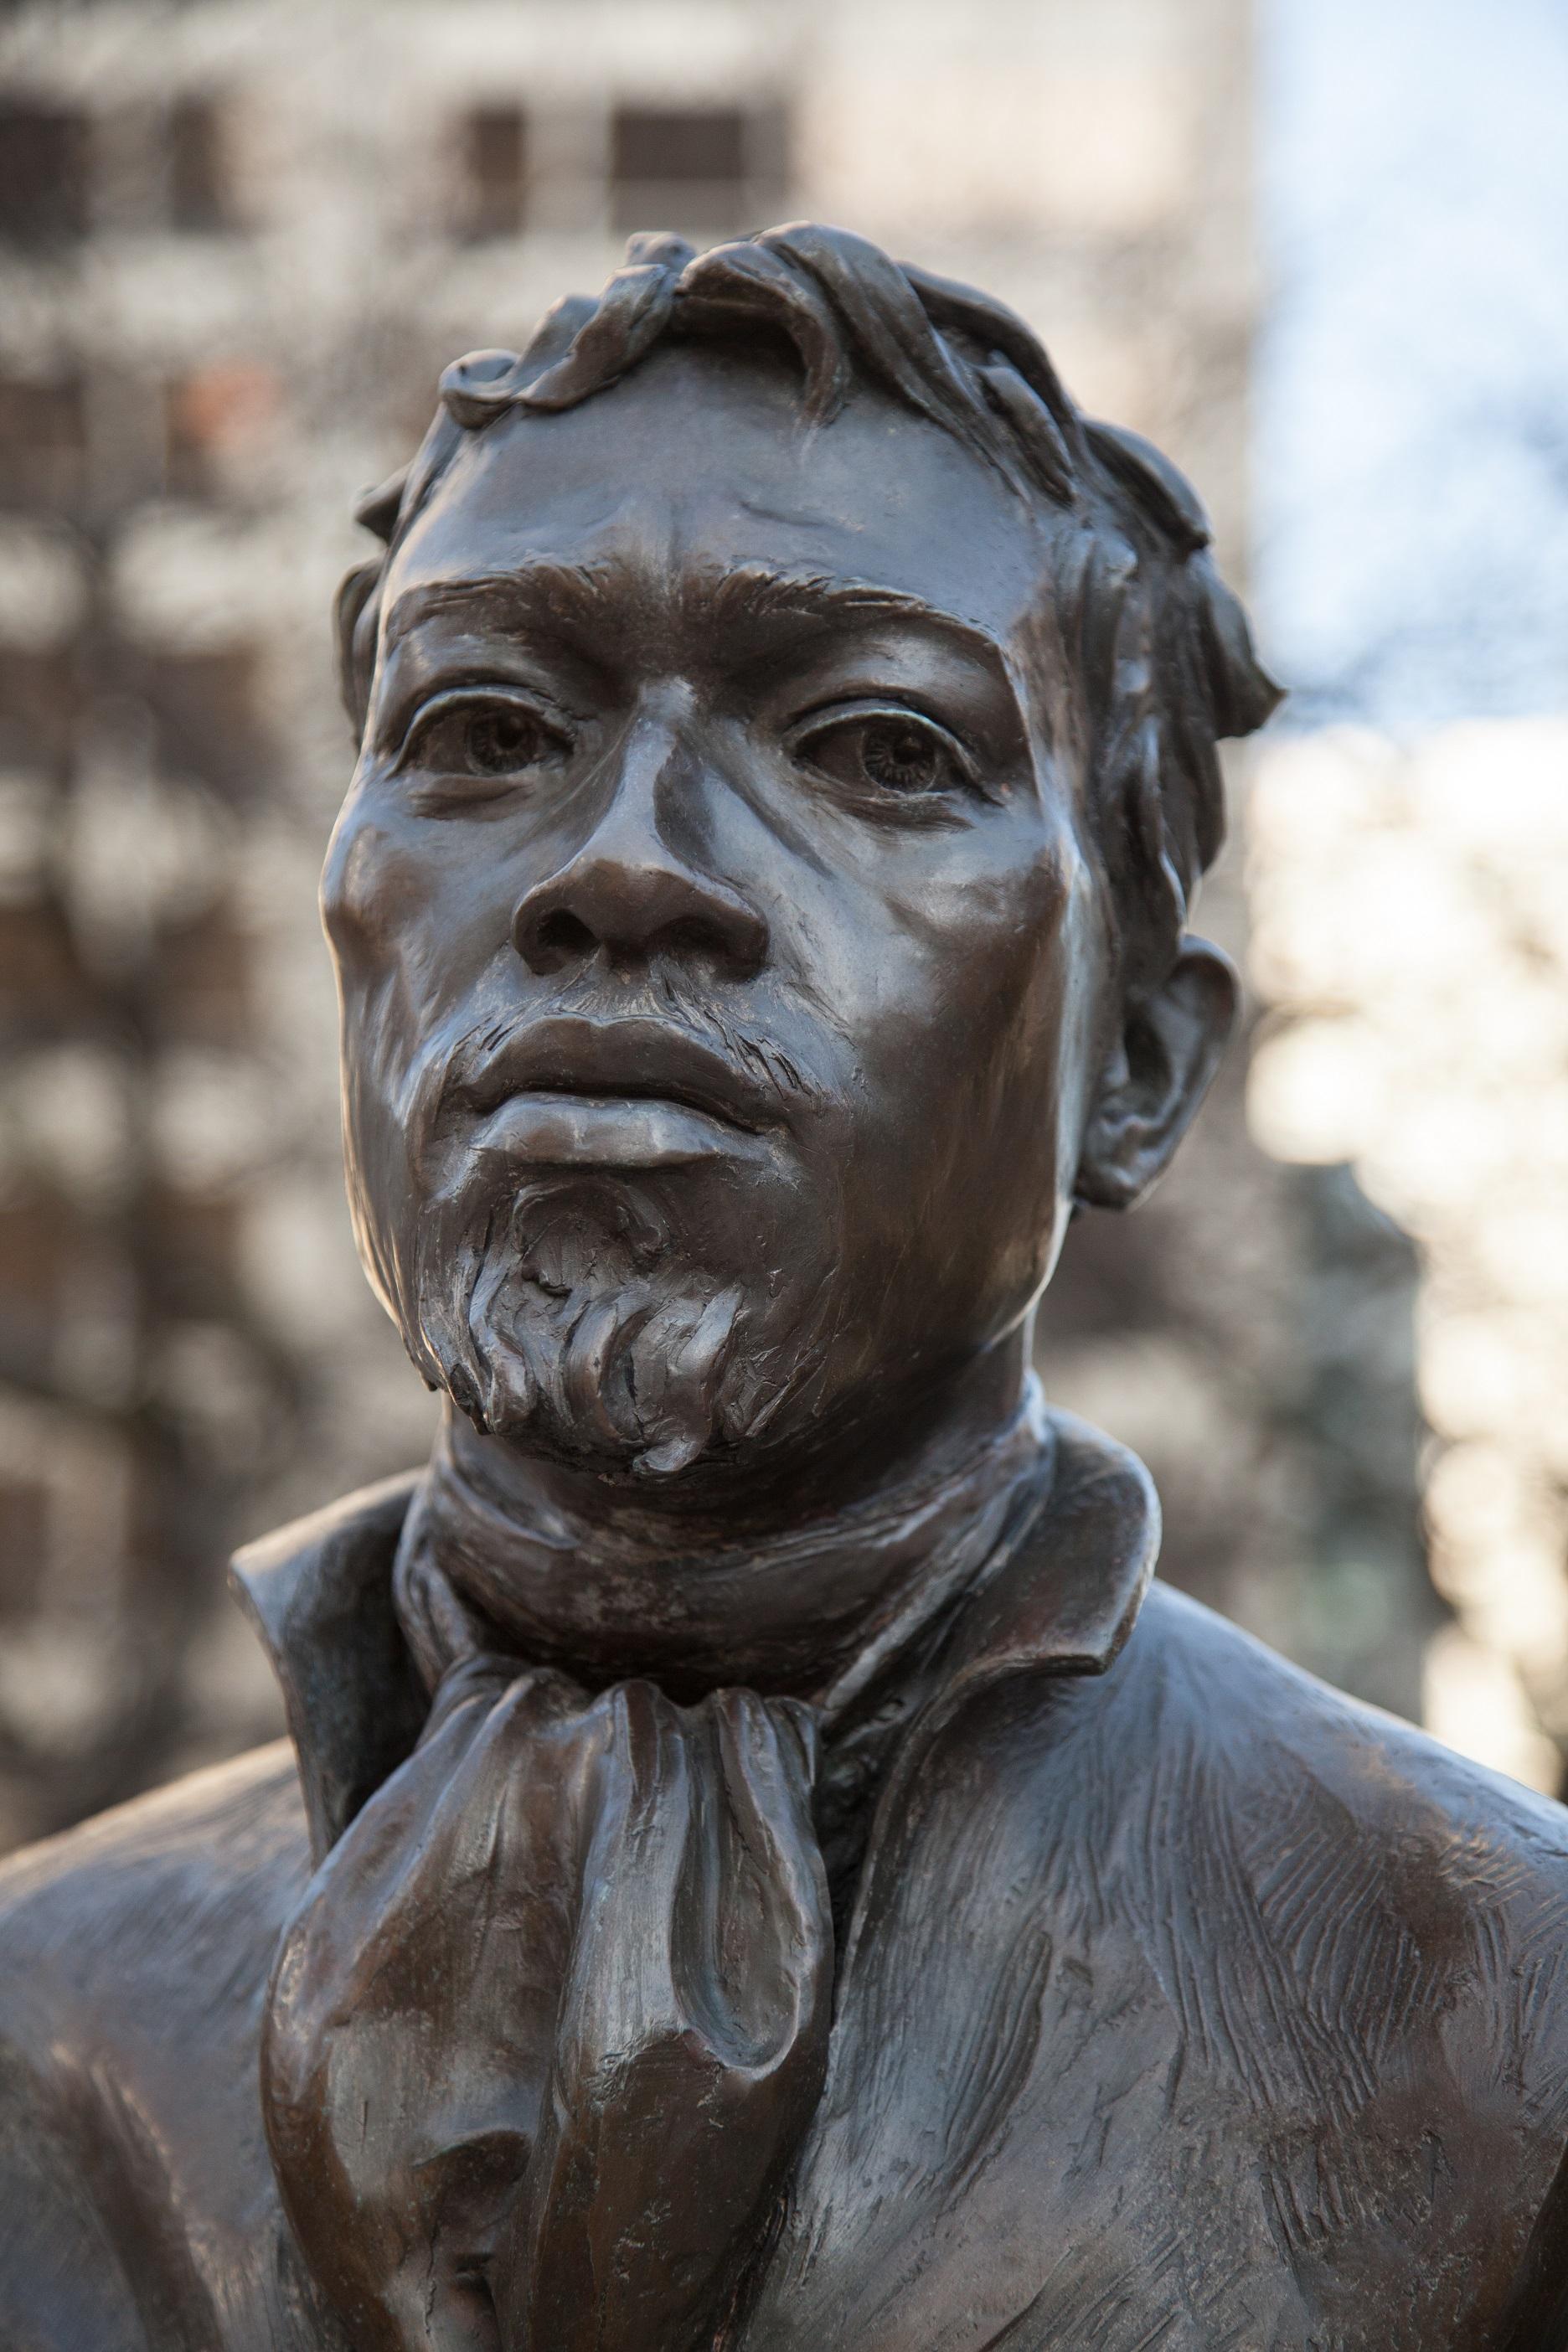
(1319, 251)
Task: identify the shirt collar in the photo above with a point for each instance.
(318, 1593)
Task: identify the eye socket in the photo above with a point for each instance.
(886, 752)
(489, 737)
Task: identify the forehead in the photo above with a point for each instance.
(702, 461)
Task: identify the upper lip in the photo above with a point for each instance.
(569, 1053)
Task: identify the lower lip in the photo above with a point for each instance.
(560, 1131)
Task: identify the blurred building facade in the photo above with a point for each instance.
(237, 242)
(1410, 835)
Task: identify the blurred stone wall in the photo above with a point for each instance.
(238, 241)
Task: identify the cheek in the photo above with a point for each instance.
(380, 910)
(1047, 1065)
(369, 891)
(985, 983)
(977, 1060)
(422, 905)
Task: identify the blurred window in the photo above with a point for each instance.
(193, 1244)
(24, 1537)
(706, 146)
(218, 416)
(43, 173)
(40, 1237)
(44, 992)
(494, 197)
(204, 708)
(694, 167)
(42, 442)
(198, 193)
(203, 981)
(38, 698)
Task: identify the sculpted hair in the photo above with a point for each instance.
(1157, 645)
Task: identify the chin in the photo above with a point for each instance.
(571, 1320)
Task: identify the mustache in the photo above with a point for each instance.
(686, 1055)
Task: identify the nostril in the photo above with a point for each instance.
(557, 938)
(696, 935)
(618, 908)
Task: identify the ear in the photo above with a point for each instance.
(354, 646)
(1158, 1073)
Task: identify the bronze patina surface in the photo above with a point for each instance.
(755, 1865)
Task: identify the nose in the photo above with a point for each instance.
(631, 892)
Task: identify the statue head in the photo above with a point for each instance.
(787, 759)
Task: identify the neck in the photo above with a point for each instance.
(776, 1581)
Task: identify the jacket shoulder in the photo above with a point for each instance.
(1406, 1898)
(1247, 1710)
(156, 1888)
(1330, 1901)
(133, 1951)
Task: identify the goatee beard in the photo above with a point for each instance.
(567, 1316)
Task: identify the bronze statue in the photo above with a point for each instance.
(755, 1867)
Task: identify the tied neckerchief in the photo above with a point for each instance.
(551, 2020)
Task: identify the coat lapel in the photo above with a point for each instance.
(318, 1593)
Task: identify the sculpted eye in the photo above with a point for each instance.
(491, 736)
(887, 751)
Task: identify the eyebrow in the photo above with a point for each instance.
(759, 591)
(539, 590)
(544, 592)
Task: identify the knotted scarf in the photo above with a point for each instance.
(550, 2021)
